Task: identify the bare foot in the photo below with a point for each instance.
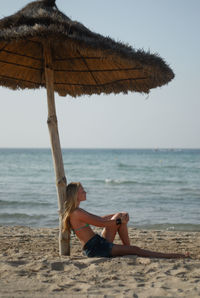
(181, 256)
(187, 255)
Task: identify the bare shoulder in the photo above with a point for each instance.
(77, 213)
(80, 215)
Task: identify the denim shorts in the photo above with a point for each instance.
(98, 246)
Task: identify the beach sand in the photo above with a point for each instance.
(31, 266)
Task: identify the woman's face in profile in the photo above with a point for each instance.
(81, 194)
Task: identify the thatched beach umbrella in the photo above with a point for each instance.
(41, 47)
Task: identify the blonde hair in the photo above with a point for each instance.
(71, 204)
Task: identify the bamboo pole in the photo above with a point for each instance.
(61, 182)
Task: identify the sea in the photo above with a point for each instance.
(160, 188)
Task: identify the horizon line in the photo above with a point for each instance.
(109, 148)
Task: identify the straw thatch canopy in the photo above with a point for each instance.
(83, 62)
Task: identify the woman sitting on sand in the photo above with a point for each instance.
(94, 245)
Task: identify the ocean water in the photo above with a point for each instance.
(159, 188)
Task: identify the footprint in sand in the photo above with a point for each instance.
(16, 263)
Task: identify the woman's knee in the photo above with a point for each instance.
(117, 215)
(120, 214)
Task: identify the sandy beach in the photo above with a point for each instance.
(31, 266)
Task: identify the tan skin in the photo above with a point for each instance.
(80, 217)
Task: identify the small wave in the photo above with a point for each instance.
(192, 190)
(171, 227)
(128, 182)
(123, 165)
(174, 167)
(119, 181)
(91, 179)
(21, 216)
(4, 203)
(167, 181)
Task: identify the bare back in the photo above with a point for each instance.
(79, 226)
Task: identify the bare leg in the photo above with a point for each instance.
(122, 250)
(123, 234)
(109, 233)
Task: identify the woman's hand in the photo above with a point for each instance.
(124, 217)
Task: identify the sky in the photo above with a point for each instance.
(169, 117)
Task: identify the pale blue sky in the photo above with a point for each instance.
(168, 117)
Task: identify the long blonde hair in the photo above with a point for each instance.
(71, 204)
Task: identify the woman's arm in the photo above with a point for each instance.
(109, 216)
(92, 219)
(120, 215)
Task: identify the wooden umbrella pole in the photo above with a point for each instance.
(61, 182)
